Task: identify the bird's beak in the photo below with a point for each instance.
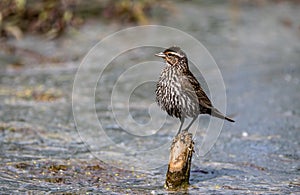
(161, 54)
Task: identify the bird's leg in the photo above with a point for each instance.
(181, 124)
(186, 129)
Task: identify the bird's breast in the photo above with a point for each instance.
(171, 95)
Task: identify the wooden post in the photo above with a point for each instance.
(180, 161)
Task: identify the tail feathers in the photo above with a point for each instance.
(229, 119)
(218, 114)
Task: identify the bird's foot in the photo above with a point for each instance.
(185, 130)
(182, 131)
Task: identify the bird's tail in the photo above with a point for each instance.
(218, 114)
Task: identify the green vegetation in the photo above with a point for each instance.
(52, 17)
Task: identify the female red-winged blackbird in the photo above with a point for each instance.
(179, 93)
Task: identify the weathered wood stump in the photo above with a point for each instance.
(180, 161)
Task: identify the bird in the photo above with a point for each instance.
(179, 93)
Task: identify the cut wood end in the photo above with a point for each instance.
(180, 161)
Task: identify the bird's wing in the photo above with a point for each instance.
(193, 87)
(201, 95)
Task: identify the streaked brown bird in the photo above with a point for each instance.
(179, 93)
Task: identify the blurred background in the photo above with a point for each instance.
(256, 44)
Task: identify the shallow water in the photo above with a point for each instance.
(120, 141)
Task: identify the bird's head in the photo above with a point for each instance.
(173, 56)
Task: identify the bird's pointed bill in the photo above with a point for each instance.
(160, 54)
